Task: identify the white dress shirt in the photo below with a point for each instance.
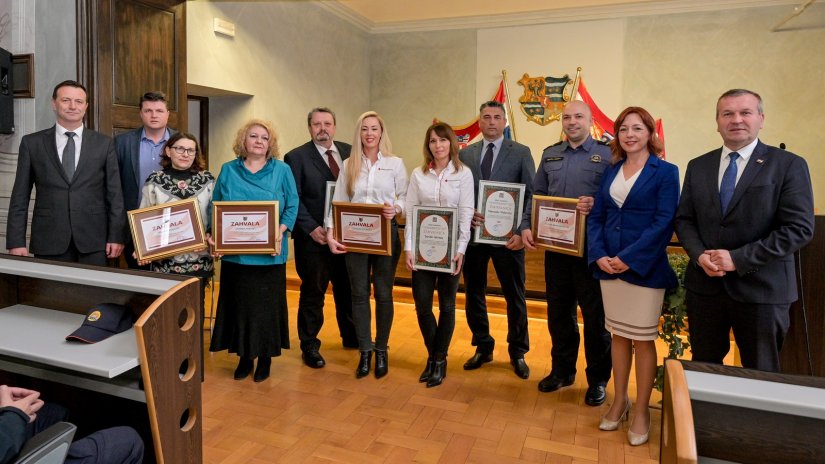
(450, 188)
(384, 181)
(335, 155)
(744, 155)
(61, 140)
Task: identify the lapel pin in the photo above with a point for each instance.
(760, 161)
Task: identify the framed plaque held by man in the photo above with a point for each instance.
(501, 203)
(330, 193)
(434, 237)
(362, 228)
(246, 227)
(557, 225)
(167, 230)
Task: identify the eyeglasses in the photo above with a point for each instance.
(188, 151)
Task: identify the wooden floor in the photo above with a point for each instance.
(483, 416)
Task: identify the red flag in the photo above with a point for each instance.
(467, 133)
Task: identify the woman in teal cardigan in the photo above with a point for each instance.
(252, 309)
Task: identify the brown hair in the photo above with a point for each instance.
(198, 164)
(442, 130)
(654, 144)
(239, 147)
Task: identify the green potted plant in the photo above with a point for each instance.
(674, 316)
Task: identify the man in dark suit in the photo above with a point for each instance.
(497, 159)
(138, 154)
(314, 164)
(745, 209)
(78, 213)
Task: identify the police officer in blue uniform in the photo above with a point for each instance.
(573, 169)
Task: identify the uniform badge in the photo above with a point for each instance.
(595, 158)
(93, 316)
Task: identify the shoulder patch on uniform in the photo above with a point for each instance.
(595, 158)
(603, 142)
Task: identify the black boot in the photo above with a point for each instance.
(428, 370)
(439, 371)
(363, 368)
(262, 369)
(243, 369)
(381, 363)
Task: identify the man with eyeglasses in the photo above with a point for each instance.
(138, 153)
(78, 212)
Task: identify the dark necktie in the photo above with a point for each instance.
(487, 163)
(333, 166)
(69, 155)
(728, 184)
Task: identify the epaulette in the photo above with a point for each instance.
(603, 142)
(557, 143)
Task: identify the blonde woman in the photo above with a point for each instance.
(371, 175)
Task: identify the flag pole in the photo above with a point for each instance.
(573, 94)
(509, 108)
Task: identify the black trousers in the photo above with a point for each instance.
(317, 267)
(437, 334)
(72, 255)
(509, 266)
(569, 284)
(759, 329)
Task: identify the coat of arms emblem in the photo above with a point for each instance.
(544, 97)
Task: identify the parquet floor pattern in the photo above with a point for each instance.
(484, 416)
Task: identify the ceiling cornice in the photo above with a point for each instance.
(545, 16)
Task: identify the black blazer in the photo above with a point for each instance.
(311, 176)
(770, 216)
(89, 209)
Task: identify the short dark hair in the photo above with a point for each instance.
(492, 104)
(197, 165)
(320, 109)
(69, 83)
(153, 96)
(738, 93)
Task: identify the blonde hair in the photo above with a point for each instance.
(354, 161)
(239, 147)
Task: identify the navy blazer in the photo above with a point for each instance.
(770, 216)
(639, 231)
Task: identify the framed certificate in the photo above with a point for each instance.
(328, 198)
(557, 225)
(245, 227)
(362, 228)
(167, 230)
(501, 203)
(434, 237)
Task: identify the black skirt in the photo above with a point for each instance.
(252, 317)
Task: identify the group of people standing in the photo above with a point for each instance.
(745, 209)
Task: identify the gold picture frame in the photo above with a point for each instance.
(362, 228)
(557, 225)
(245, 227)
(167, 230)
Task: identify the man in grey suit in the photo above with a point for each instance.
(138, 154)
(745, 209)
(78, 213)
(497, 159)
(314, 164)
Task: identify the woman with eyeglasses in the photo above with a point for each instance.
(251, 318)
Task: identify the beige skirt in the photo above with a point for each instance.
(631, 311)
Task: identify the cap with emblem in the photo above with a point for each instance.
(102, 321)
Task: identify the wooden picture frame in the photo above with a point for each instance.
(434, 238)
(502, 204)
(362, 228)
(245, 227)
(557, 225)
(167, 230)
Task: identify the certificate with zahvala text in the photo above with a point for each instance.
(362, 228)
(557, 225)
(501, 203)
(434, 237)
(166, 230)
(245, 227)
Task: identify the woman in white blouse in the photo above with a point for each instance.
(442, 180)
(371, 175)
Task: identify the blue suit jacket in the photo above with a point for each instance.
(640, 230)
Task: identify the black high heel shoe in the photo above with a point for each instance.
(439, 371)
(428, 371)
(262, 370)
(364, 362)
(243, 369)
(381, 363)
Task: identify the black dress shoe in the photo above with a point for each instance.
(552, 382)
(428, 370)
(364, 362)
(595, 395)
(381, 363)
(477, 361)
(262, 369)
(243, 369)
(520, 367)
(313, 359)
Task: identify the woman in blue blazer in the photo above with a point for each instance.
(628, 232)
